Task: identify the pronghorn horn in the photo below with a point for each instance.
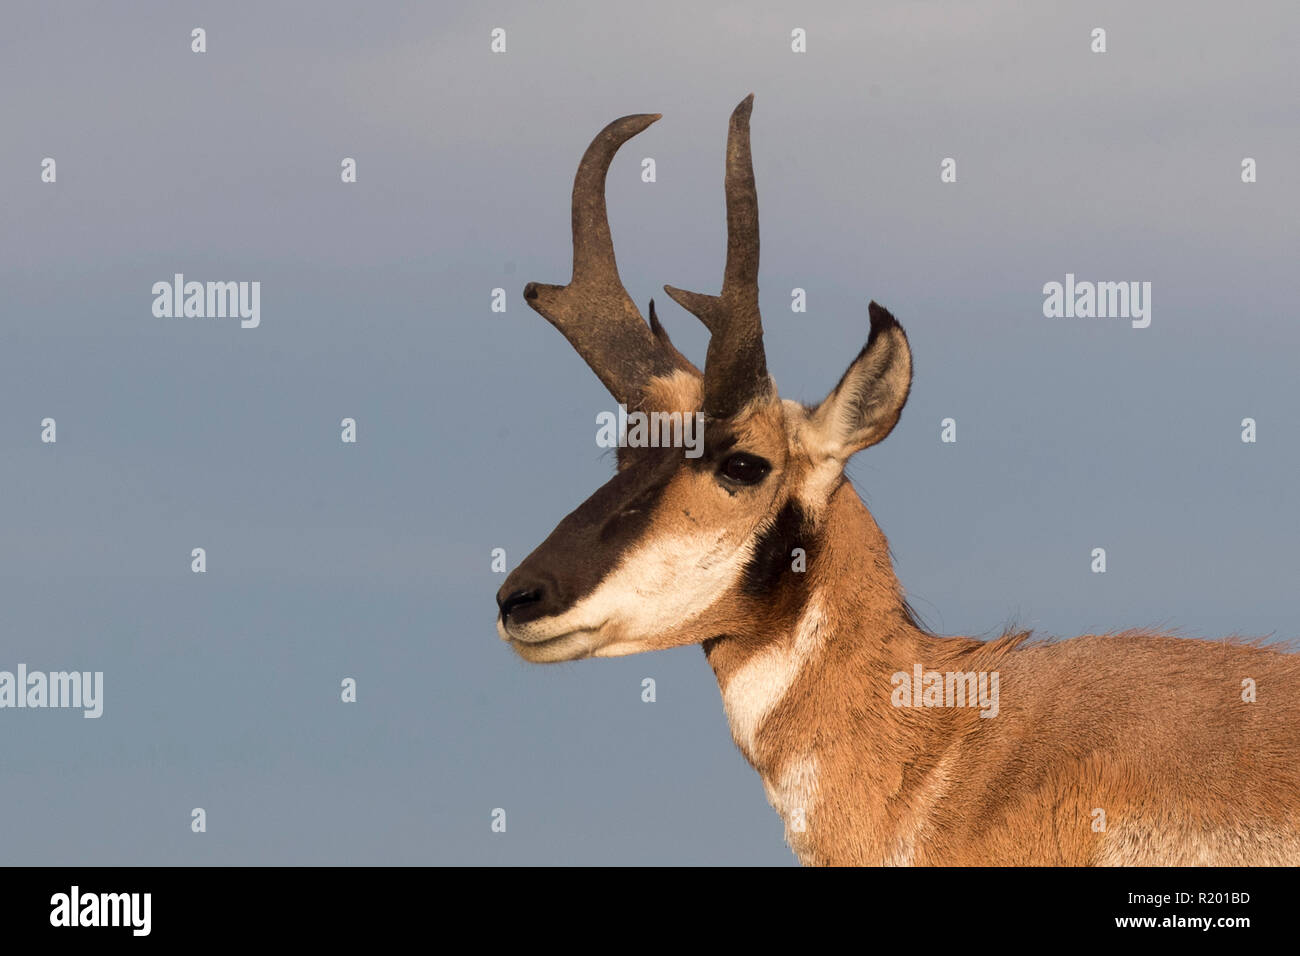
(594, 311)
(661, 336)
(735, 370)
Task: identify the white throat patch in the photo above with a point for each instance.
(760, 684)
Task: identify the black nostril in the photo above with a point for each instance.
(518, 599)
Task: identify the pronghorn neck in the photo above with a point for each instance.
(847, 608)
(796, 689)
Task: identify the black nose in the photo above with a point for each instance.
(518, 600)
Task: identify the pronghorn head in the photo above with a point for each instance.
(686, 544)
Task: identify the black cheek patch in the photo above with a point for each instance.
(772, 560)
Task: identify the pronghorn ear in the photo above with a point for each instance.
(864, 407)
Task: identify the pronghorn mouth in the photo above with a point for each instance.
(569, 645)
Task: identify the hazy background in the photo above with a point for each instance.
(477, 430)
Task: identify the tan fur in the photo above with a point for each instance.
(1150, 729)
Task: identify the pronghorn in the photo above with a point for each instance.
(1130, 748)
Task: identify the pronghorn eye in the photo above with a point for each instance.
(744, 469)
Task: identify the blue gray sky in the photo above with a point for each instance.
(476, 429)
